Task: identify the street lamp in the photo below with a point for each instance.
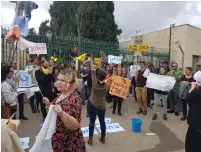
(48, 34)
(170, 39)
(176, 41)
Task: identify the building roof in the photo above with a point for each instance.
(174, 27)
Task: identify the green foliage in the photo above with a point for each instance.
(83, 19)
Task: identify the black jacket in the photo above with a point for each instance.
(194, 115)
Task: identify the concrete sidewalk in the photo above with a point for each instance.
(169, 136)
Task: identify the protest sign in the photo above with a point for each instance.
(38, 48)
(114, 59)
(120, 86)
(107, 121)
(85, 131)
(113, 127)
(23, 78)
(25, 142)
(160, 82)
(146, 73)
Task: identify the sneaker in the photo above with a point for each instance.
(165, 117)
(144, 112)
(110, 106)
(139, 111)
(176, 113)
(154, 117)
(183, 118)
(23, 118)
(120, 114)
(170, 111)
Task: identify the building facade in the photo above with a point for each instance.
(184, 38)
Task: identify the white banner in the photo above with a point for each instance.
(107, 121)
(34, 48)
(160, 82)
(113, 127)
(114, 59)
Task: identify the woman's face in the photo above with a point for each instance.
(51, 63)
(11, 73)
(187, 72)
(162, 71)
(62, 83)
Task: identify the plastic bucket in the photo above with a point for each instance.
(136, 124)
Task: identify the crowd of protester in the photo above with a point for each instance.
(57, 83)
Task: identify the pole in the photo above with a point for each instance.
(170, 40)
(182, 56)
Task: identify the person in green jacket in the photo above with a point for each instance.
(173, 98)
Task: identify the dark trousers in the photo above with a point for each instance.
(101, 116)
(184, 105)
(39, 99)
(88, 98)
(108, 97)
(150, 95)
(117, 100)
(193, 140)
(21, 104)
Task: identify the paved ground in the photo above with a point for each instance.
(169, 136)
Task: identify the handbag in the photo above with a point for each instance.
(5, 111)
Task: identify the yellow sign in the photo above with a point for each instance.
(120, 86)
(138, 47)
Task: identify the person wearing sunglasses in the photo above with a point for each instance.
(173, 98)
(8, 93)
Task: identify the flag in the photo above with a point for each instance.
(81, 57)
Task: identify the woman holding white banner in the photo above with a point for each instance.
(68, 136)
(158, 96)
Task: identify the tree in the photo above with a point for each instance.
(43, 28)
(32, 31)
(85, 19)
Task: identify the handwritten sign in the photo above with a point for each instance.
(38, 48)
(160, 82)
(25, 142)
(85, 131)
(114, 59)
(120, 86)
(113, 127)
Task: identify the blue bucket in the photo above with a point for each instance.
(136, 124)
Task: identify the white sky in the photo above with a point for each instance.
(130, 16)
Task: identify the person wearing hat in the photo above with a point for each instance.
(193, 135)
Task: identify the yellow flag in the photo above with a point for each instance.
(81, 57)
(98, 61)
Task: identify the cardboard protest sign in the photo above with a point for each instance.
(160, 82)
(98, 61)
(120, 86)
(114, 59)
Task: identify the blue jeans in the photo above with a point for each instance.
(92, 115)
(83, 92)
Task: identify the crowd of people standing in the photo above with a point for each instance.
(57, 83)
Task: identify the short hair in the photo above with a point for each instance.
(189, 68)
(5, 69)
(165, 62)
(142, 62)
(101, 74)
(69, 74)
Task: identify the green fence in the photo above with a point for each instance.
(61, 47)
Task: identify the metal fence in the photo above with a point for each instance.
(61, 47)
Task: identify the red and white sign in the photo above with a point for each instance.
(34, 48)
(38, 48)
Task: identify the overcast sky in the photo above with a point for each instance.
(130, 16)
